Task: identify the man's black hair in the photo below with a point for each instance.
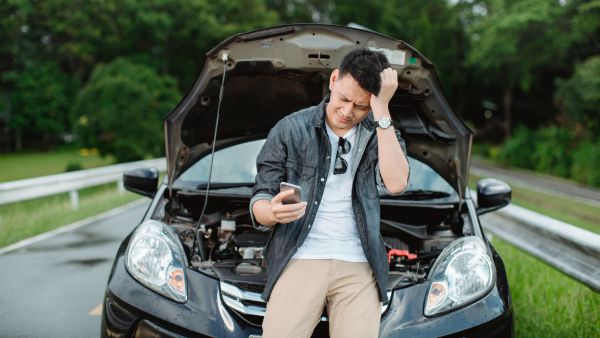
(365, 67)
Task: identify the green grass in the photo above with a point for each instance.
(547, 303)
(29, 218)
(27, 165)
(567, 210)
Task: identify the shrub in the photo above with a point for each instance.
(586, 163)
(73, 166)
(553, 150)
(121, 109)
(548, 150)
(518, 150)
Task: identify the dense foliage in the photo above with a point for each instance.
(120, 110)
(559, 151)
(502, 63)
(579, 96)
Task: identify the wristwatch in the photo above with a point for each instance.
(384, 122)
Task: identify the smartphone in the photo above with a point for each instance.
(295, 197)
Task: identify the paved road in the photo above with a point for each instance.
(538, 182)
(53, 288)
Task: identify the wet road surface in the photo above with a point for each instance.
(54, 288)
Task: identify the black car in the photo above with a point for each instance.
(194, 265)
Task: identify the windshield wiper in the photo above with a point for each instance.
(422, 194)
(217, 185)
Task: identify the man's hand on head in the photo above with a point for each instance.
(274, 211)
(389, 84)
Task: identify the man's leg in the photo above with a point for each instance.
(353, 304)
(297, 300)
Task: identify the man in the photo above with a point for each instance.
(326, 251)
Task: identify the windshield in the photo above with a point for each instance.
(233, 164)
(237, 164)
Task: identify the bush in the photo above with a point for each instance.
(586, 163)
(73, 166)
(518, 150)
(553, 151)
(547, 150)
(121, 110)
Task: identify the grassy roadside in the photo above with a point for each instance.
(547, 303)
(567, 210)
(27, 165)
(29, 218)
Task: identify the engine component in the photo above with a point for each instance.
(397, 259)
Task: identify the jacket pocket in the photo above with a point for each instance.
(301, 174)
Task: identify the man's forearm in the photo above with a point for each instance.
(393, 164)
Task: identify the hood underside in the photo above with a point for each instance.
(273, 72)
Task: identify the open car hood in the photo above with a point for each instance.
(275, 71)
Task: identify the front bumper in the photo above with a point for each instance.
(132, 310)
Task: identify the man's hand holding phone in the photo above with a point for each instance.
(283, 208)
(285, 212)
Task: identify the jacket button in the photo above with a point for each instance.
(309, 226)
(322, 179)
(316, 202)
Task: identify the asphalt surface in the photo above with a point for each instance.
(538, 182)
(54, 287)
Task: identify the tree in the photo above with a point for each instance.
(41, 103)
(585, 28)
(121, 110)
(170, 36)
(512, 41)
(579, 96)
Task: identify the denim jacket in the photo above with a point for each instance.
(297, 150)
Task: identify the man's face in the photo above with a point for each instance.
(348, 105)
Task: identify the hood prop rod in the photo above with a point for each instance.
(225, 59)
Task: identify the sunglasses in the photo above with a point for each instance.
(340, 163)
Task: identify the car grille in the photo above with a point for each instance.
(251, 307)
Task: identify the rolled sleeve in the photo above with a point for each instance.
(254, 199)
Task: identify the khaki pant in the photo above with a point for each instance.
(348, 290)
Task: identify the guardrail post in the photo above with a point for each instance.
(74, 197)
(120, 186)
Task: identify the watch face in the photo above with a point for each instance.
(384, 122)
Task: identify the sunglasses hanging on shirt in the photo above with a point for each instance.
(340, 163)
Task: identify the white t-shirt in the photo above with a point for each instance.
(334, 234)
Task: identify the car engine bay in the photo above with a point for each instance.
(228, 247)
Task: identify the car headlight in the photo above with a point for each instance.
(155, 259)
(463, 273)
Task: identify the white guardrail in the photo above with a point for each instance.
(71, 182)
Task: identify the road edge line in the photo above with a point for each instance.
(69, 227)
